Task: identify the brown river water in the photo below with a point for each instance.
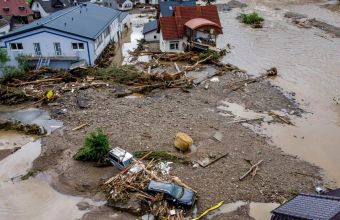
(308, 61)
(33, 198)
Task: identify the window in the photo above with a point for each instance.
(37, 49)
(107, 31)
(16, 46)
(99, 40)
(154, 37)
(78, 46)
(174, 45)
(57, 49)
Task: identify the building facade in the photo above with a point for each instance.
(190, 27)
(122, 5)
(75, 34)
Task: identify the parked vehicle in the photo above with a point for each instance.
(123, 159)
(173, 193)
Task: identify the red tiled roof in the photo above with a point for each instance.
(173, 27)
(199, 22)
(14, 8)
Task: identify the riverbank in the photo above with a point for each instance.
(136, 123)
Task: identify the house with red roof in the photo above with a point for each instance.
(17, 12)
(190, 27)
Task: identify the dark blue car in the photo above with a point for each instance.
(173, 193)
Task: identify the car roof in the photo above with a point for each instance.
(160, 186)
(122, 154)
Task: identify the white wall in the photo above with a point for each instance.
(127, 5)
(165, 44)
(37, 7)
(4, 29)
(46, 38)
(114, 29)
(151, 36)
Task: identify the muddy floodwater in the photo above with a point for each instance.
(308, 61)
(32, 198)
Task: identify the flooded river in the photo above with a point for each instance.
(33, 198)
(308, 61)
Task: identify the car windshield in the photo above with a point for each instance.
(177, 192)
(128, 162)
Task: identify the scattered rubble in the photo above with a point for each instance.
(304, 22)
(127, 191)
(230, 5)
(162, 155)
(29, 129)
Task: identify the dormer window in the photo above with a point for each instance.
(6, 8)
(21, 7)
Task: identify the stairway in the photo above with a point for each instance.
(43, 61)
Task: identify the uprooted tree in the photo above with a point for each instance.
(96, 146)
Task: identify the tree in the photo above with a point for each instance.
(3, 57)
(96, 146)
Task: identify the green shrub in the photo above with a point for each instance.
(96, 146)
(252, 18)
(10, 73)
(23, 63)
(215, 56)
(121, 74)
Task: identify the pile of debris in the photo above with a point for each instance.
(47, 84)
(129, 191)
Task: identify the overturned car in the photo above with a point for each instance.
(173, 193)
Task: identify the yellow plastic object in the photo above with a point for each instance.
(183, 141)
(50, 94)
(209, 210)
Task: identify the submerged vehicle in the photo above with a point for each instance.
(173, 193)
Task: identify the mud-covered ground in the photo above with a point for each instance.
(152, 122)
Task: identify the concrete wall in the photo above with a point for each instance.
(165, 44)
(151, 36)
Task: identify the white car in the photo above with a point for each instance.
(123, 159)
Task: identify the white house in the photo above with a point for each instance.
(190, 27)
(122, 5)
(150, 31)
(151, 2)
(43, 8)
(79, 33)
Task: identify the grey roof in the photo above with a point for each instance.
(150, 26)
(51, 6)
(167, 8)
(308, 206)
(122, 16)
(85, 20)
(3, 22)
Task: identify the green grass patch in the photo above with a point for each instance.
(162, 155)
(252, 18)
(96, 146)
